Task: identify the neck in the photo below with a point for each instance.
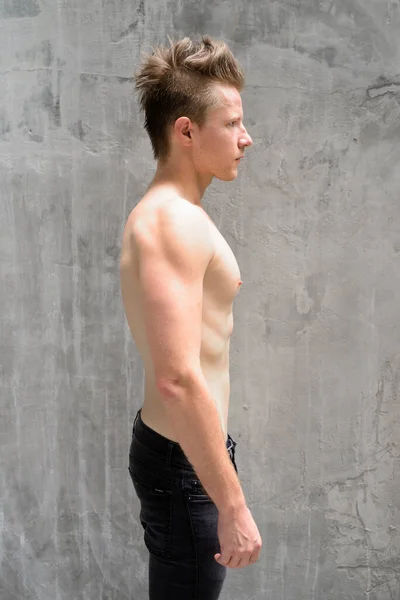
(181, 176)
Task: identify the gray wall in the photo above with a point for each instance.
(314, 220)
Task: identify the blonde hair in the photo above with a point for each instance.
(177, 81)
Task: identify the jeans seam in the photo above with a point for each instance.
(195, 549)
(168, 536)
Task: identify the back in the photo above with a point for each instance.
(178, 282)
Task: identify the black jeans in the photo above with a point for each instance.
(178, 517)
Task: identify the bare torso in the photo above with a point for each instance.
(220, 287)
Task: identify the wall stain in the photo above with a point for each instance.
(384, 87)
(326, 54)
(140, 12)
(125, 79)
(77, 130)
(47, 51)
(5, 124)
(52, 104)
(35, 137)
(19, 8)
(125, 33)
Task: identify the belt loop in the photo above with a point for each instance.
(232, 450)
(135, 421)
(169, 454)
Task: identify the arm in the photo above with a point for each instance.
(173, 258)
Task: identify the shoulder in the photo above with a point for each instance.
(170, 221)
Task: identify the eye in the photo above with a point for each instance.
(232, 123)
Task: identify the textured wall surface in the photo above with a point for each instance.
(314, 220)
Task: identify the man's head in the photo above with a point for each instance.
(190, 95)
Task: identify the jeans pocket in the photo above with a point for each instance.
(195, 491)
(155, 510)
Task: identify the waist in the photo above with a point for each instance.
(164, 450)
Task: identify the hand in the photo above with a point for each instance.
(239, 539)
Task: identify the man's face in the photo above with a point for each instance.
(222, 140)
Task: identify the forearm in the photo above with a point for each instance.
(194, 418)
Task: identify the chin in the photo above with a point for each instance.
(227, 176)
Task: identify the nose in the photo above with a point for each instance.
(245, 139)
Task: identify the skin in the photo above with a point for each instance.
(198, 154)
(179, 279)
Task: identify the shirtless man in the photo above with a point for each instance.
(178, 280)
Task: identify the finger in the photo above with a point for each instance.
(233, 562)
(222, 559)
(254, 558)
(239, 565)
(243, 562)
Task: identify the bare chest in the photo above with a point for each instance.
(222, 279)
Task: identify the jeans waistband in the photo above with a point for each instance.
(167, 448)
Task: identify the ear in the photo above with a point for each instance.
(183, 130)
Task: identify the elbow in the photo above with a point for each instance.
(171, 386)
(168, 391)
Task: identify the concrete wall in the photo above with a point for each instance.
(314, 220)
